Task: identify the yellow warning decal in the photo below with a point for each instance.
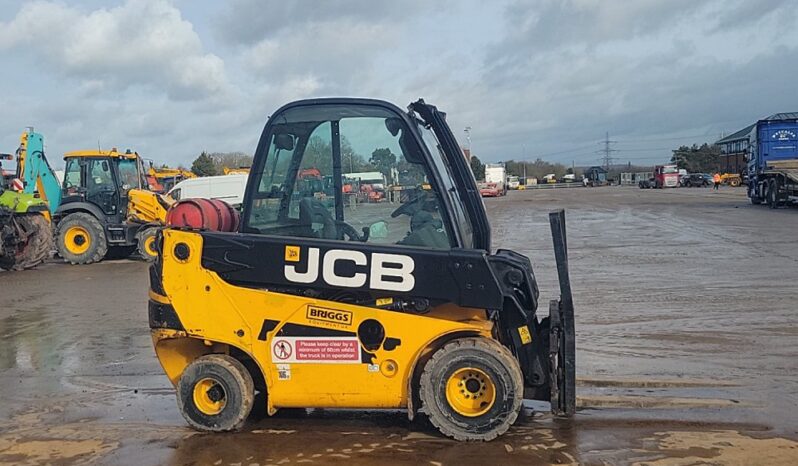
(292, 253)
(523, 332)
(384, 301)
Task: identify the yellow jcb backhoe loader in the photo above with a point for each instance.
(107, 208)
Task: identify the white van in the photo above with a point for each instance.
(229, 188)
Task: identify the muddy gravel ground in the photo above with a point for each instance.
(687, 325)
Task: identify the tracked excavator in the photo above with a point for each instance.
(324, 302)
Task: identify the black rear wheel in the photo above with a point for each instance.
(752, 194)
(773, 193)
(215, 393)
(145, 243)
(81, 239)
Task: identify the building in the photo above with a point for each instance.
(597, 176)
(736, 147)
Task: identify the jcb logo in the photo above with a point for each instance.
(329, 315)
(390, 272)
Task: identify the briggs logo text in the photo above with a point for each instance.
(329, 315)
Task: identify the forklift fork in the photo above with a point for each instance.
(562, 336)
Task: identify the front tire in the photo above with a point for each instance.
(773, 193)
(81, 239)
(33, 251)
(145, 243)
(215, 393)
(472, 389)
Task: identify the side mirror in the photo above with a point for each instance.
(105, 166)
(394, 125)
(284, 141)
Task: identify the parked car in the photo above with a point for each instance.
(696, 180)
(647, 184)
(489, 190)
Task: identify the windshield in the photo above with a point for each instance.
(669, 170)
(345, 172)
(129, 174)
(461, 219)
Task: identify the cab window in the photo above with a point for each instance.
(129, 174)
(100, 177)
(72, 176)
(346, 174)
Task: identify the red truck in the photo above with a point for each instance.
(666, 176)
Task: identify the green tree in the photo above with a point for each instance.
(222, 160)
(383, 160)
(318, 154)
(697, 159)
(478, 168)
(203, 165)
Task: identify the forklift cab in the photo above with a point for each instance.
(335, 138)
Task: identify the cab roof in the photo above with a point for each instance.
(102, 153)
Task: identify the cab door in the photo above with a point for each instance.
(101, 187)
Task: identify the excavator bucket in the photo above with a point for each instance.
(562, 336)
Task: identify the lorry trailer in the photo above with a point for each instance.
(773, 161)
(496, 173)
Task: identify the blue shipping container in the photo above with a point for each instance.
(776, 140)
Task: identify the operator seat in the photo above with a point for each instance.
(312, 211)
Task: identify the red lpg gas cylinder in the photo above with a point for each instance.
(203, 214)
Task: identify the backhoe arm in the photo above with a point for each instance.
(35, 172)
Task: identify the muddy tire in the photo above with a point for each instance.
(145, 243)
(81, 239)
(753, 196)
(472, 389)
(215, 393)
(36, 249)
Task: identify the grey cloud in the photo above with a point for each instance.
(141, 42)
(250, 21)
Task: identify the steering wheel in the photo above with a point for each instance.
(410, 207)
(348, 230)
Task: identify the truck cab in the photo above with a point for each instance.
(666, 176)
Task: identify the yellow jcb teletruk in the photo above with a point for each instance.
(320, 300)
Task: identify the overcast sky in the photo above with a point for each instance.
(532, 78)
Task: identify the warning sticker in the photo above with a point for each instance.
(328, 350)
(523, 333)
(283, 371)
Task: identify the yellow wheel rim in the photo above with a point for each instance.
(470, 392)
(77, 240)
(209, 397)
(149, 246)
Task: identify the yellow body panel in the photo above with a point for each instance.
(215, 314)
(161, 173)
(101, 153)
(235, 171)
(147, 206)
